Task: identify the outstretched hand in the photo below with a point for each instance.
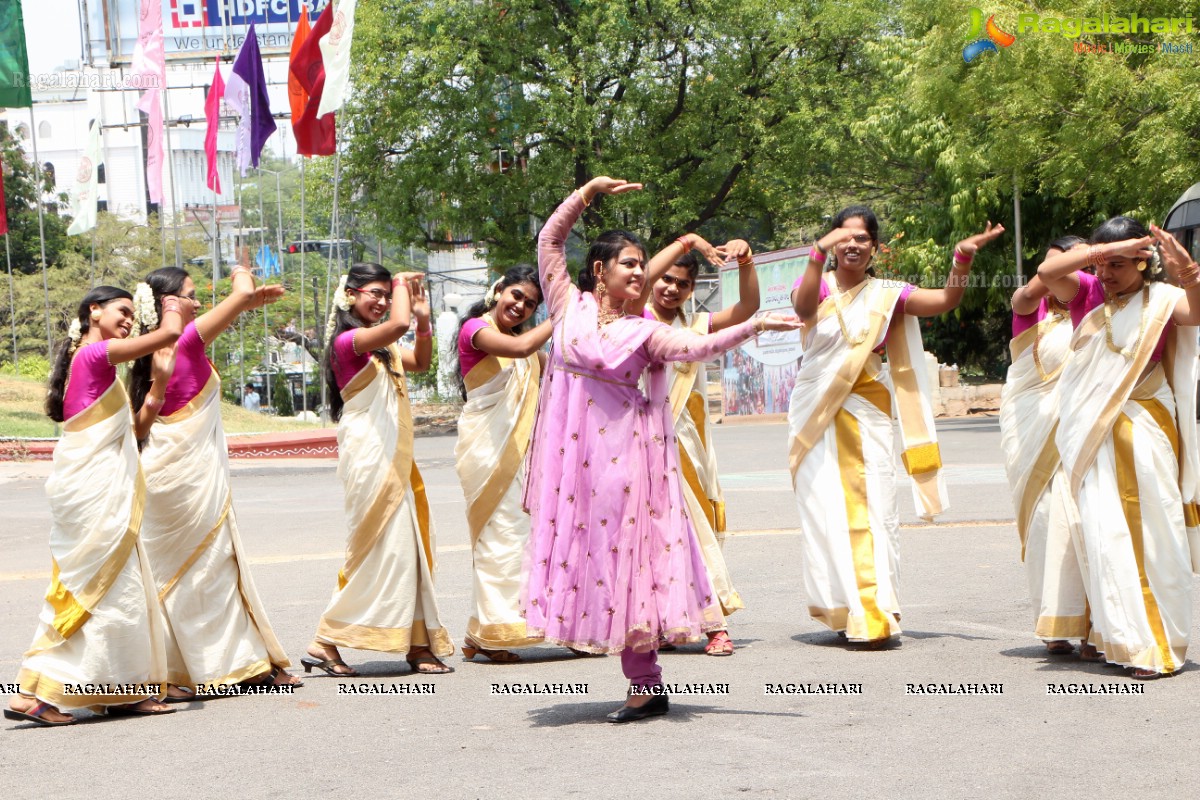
(780, 322)
(265, 295)
(420, 299)
(971, 244)
(603, 184)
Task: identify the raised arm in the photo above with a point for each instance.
(748, 299)
(1183, 271)
(396, 325)
(807, 296)
(1027, 298)
(162, 365)
(1058, 270)
(668, 344)
(666, 258)
(421, 356)
(495, 343)
(932, 302)
(175, 315)
(243, 297)
(552, 241)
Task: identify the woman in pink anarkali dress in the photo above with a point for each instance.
(612, 564)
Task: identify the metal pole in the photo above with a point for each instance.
(304, 373)
(171, 172)
(93, 277)
(37, 171)
(262, 243)
(1017, 229)
(12, 303)
(333, 226)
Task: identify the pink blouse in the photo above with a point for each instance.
(192, 371)
(1091, 295)
(91, 375)
(468, 354)
(347, 363)
(823, 292)
(1023, 322)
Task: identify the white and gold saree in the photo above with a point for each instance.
(493, 438)
(1127, 439)
(99, 642)
(1028, 415)
(217, 632)
(841, 456)
(384, 599)
(698, 466)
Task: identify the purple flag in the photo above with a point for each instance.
(248, 86)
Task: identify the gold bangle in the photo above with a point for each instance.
(586, 202)
(760, 325)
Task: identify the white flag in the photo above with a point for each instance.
(335, 54)
(84, 193)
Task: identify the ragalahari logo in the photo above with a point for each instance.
(984, 38)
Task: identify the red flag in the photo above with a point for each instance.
(212, 115)
(314, 137)
(3, 210)
(296, 94)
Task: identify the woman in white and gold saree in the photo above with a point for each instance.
(689, 402)
(217, 632)
(841, 426)
(1127, 440)
(501, 368)
(384, 600)
(99, 644)
(1040, 347)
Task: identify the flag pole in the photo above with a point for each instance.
(333, 228)
(171, 172)
(37, 169)
(12, 303)
(262, 243)
(303, 335)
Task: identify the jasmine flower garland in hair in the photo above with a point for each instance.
(145, 318)
(342, 300)
(75, 333)
(493, 295)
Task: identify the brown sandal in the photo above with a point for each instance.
(471, 649)
(425, 658)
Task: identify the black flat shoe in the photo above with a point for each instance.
(659, 704)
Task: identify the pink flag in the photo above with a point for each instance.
(150, 73)
(212, 114)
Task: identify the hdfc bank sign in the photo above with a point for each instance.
(192, 14)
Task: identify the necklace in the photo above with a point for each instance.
(836, 293)
(1109, 302)
(605, 315)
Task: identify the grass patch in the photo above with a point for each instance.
(22, 413)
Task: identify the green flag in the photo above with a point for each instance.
(14, 61)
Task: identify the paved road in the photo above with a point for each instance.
(966, 616)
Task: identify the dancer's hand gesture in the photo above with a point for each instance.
(265, 295)
(420, 301)
(162, 365)
(971, 244)
(779, 322)
(605, 185)
(1174, 255)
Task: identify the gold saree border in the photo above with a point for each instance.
(48, 690)
(853, 469)
(922, 457)
(512, 454)
(1090, 326)
(1072, 627)
(386, 640)
(211, 387)
(500, 635)
(1040, 476)
(843, 381)
(72, 610)
(1131, 503)
(205, 543)
(110, 402)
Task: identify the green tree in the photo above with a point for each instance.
(281, 395)
(472, 117)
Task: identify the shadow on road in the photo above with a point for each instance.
(593, 713)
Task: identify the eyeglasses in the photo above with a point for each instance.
(861, 239)
(379, 295)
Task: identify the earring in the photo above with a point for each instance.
(95, 314)
(601, 290)
(1141, 266)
